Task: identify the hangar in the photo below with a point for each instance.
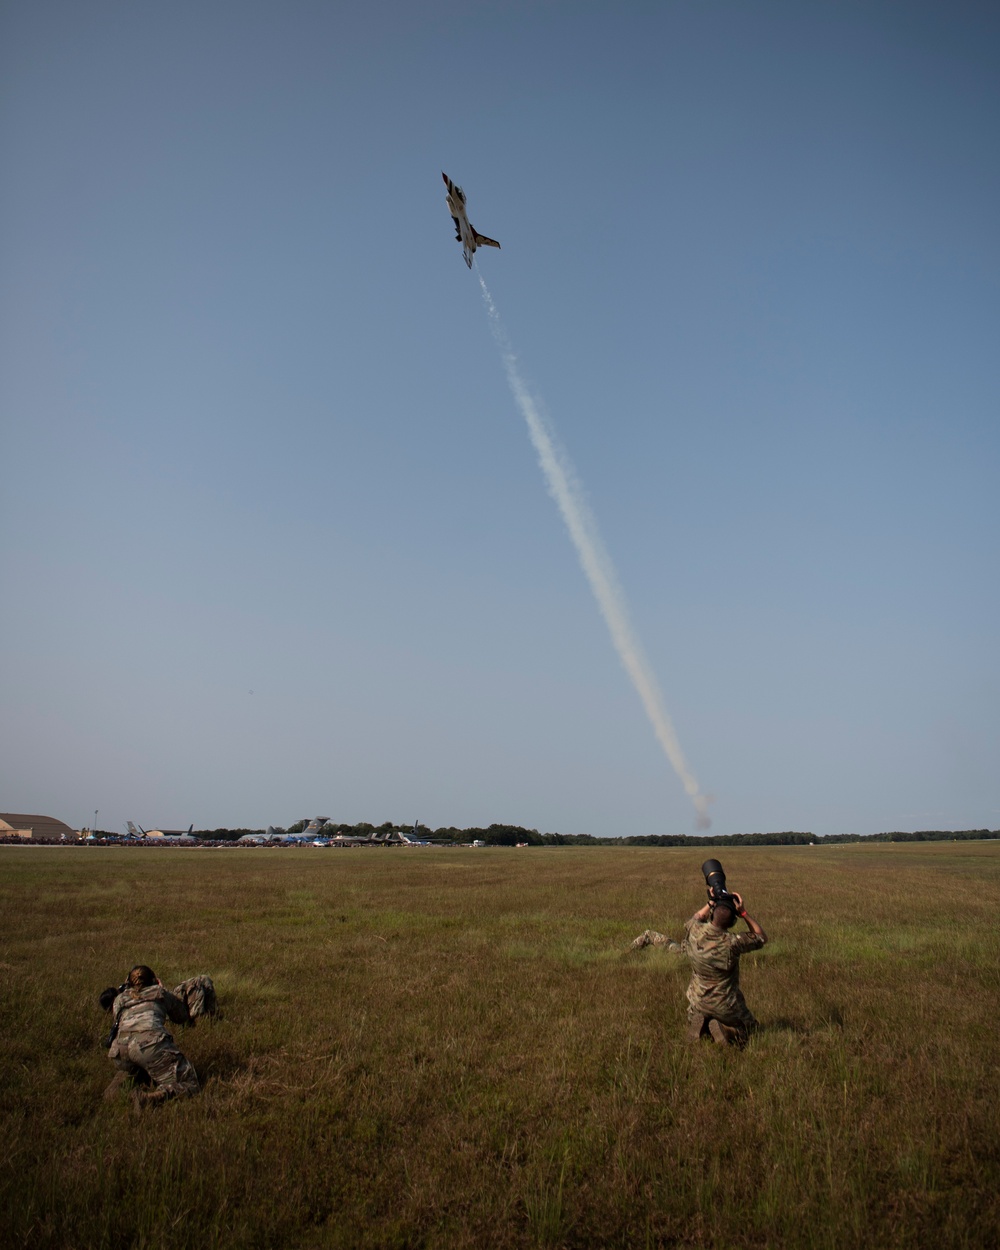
(38, 828)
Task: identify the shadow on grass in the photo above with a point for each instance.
(224, 1064)
(831, 1015)
(828, 1017)
(783, 1024)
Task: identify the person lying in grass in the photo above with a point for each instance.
(140, 1046)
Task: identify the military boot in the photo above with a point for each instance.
(724, 1034)
(718, 1033)
(143, 1098)
(696, 1026)
(115, 1087)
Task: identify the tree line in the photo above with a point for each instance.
(513, 835)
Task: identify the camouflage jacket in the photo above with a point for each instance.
(715, 967)
(147, 1010)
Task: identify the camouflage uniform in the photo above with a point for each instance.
(652, 938)
(142, 1043)
(714, 992)
(198, 996)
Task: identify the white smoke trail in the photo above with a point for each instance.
(565, 489)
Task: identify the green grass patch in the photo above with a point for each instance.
(448, 1048)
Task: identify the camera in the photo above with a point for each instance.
(107, 1001)
(107, 997)
(715, 879)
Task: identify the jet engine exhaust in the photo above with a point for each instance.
(565, 489)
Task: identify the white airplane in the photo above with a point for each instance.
(465, 232)
(164, 835)
(413, 838)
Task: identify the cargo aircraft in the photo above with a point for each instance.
(465, 231)
(161, 835)
(308, 834)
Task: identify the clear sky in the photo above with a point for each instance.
(275, 542)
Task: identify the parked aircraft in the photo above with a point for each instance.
(313, 835)
(160, 835)
(465, 231)
(411, 838)
(308, 834)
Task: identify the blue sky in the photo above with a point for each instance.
(257, 437)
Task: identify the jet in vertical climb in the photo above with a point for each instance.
(465, 232)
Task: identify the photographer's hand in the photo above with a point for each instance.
(752, 924)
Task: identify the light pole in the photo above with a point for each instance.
(94, 830)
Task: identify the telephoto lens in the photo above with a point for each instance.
(715, 878)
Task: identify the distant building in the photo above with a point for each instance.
(40, 828)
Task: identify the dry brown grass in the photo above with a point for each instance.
(448, 1048)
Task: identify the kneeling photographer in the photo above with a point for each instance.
(716, 1005)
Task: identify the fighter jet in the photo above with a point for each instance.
(465, 231)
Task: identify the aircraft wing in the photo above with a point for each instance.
(483, 241)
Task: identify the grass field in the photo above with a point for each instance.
(448, 1048)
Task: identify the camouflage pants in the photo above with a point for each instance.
(740, 1022)
(156, 1055)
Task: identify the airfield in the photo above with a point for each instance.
(453, 1049)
